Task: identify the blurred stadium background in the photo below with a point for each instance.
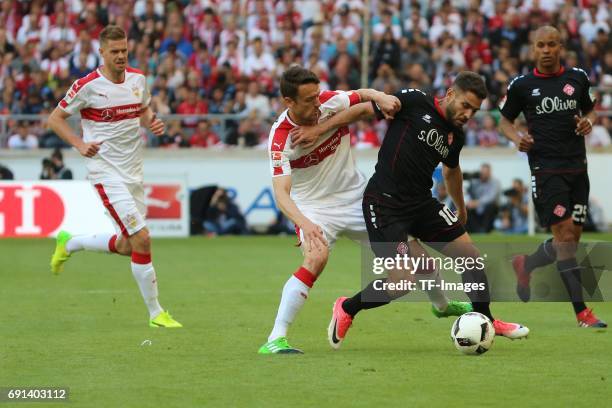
(213, 67)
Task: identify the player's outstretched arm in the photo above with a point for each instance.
(308, 135)
(389, 105)
(57, 122)
(313, 234)
(507, 128)
(453, 178)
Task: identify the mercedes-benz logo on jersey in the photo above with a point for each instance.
(311, 159)
(107, 115)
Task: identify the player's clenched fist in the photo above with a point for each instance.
(157, 126)
(583, 125)
(313, 236)
(307, 136)
(526, 143)
(389, 105)
(89, 149)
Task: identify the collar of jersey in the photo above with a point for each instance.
(541, 75)
(438, 108)
(99, 69)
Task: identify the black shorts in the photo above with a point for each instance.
(390, 223)
(559, 196)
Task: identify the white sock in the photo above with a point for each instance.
(295, 293)
(95, 242)
(147, 282)
(436, 295)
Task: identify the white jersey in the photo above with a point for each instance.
(324, 174)
(110, 112)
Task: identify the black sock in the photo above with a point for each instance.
(368, 298)
(480, 299)
(544, 255)
(570, 274)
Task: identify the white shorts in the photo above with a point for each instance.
(335, 221)
(125, 204)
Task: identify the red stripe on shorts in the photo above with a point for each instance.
(111, 209)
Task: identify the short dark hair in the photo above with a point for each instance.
(468, 81)
(57, 154)
(112, 32)
(293, 78)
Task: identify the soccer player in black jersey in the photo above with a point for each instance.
(559, 113)
(398, 203)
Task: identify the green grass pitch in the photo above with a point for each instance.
(84, 330)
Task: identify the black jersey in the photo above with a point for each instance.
(549, 103)
(417, 140)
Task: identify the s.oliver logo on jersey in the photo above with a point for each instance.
(29, 211)
(550, 105)
(435, 139)
(163, 201)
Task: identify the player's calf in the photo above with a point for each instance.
(316, 259)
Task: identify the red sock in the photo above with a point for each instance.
(140, 258)
(112, 244)
(307, 277)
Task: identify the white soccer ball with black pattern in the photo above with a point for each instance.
(473, 333)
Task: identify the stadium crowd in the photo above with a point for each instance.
(226, 57)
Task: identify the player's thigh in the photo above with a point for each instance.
(137, 192)
(387, 234)
(121, 206)
(352, 222)
(436, 225)
(579, 194)
(552, 198)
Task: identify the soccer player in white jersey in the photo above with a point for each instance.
(114, 102)
(320, 189)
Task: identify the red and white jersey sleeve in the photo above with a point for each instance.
(74, 100)
(322, 174)
(333, 102)
(110, 113)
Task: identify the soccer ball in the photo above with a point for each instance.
(473, 333)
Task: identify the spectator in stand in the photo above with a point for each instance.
(476, 48)
(386, 51)
(259, 62)
(386, 24)
(488, 135)
(257, 103)
(482, 206)
(365, 136)
(600, 135)
(192, 105)
(23, 138)
(386, 80)
(204, 136)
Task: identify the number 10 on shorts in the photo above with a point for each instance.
(448, 215)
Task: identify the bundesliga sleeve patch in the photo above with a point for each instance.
(277, 159)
